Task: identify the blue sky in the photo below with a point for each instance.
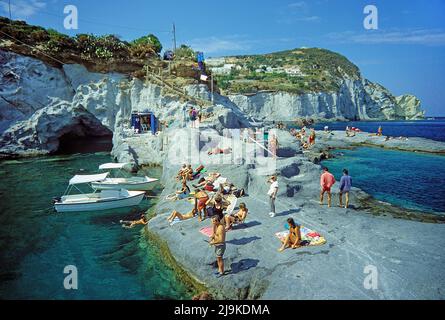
(406, 54)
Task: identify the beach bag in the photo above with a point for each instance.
(239, 193)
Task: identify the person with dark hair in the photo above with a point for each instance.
(293, 239)
(180, 216)
(345, 187)
(130, 224)
(184, 191)
(327, 180)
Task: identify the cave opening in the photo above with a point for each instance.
(83, 139)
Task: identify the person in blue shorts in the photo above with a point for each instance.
(345, 188)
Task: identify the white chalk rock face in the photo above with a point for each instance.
(355, 100)
(410, 107)
(26, 85)
(41, 133)
(29, 88)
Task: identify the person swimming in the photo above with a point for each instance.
(131, 224)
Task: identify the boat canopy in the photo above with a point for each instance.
(79, 179)
(106, 166)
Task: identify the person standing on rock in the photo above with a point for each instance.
(218, 239)
(327, 180)
(379, 131)
(273, 145)
(272, 193)
(345, 188)
(193, 115)
(312, 137)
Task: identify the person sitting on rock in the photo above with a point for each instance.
(184, 191)
(379, 131)
(181, 172)
(189, 172)
(236, 218)
(293, 239)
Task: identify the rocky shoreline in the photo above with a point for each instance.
(408, 268)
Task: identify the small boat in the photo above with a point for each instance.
(102, 200)
(132, 183)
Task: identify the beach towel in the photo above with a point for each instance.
(313, 238)
(175, 221)
(220, 180)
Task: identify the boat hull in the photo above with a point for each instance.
(130, 201)
(112, 184)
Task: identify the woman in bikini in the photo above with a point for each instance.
(176, 214)
(293, 240)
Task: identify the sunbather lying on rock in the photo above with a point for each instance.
(293, 240)
(213, 176)
(180, 216)
(236, 218)
(201, 183)
(220, 151)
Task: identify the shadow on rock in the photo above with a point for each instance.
(249, 224)
(243, 265)
(242, 241)
(291, 170)
(288, 212)
(291, 190)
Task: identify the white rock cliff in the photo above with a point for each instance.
(40, 103)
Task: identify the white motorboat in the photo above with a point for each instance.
(132, 183)
(102, 200)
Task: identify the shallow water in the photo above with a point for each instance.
(407, 179)
(36, 243)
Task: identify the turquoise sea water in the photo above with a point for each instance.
(407, 179)
(36, 243)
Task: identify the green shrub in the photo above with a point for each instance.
(39, 36)
(185, 52)
(150, 40)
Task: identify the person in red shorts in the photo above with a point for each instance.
(327, 180)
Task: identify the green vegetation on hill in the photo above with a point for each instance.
(105, 53)
(297, 71)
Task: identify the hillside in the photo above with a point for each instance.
(102, 54)
(296, 71)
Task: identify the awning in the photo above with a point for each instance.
(79, 179)
(112, 165)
